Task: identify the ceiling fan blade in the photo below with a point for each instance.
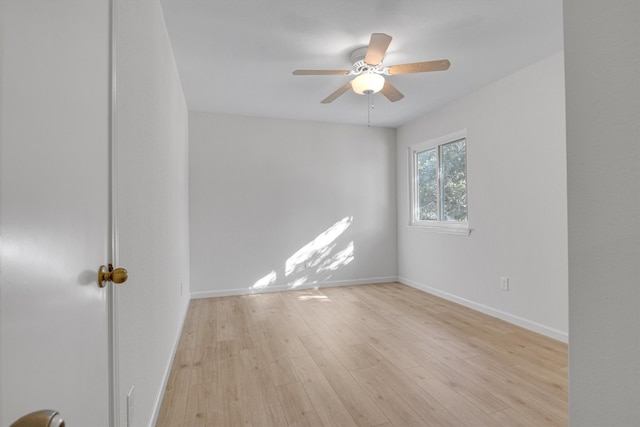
(321, 72)
(337, 93)
(391, 92)
(419, 67)
(377, 48)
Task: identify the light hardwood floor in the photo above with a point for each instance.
(374, 355)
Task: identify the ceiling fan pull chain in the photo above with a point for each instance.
(369, 108)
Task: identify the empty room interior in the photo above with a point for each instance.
(362, 213)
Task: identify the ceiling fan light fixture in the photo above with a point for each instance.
(367, 83)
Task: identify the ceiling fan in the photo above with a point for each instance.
(369, 71)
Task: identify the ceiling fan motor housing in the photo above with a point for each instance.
(358, 55)
(359, 66)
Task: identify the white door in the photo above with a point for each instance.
(54, 209)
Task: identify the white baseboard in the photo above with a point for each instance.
(280, 288)
(516, 320)
(160, 396)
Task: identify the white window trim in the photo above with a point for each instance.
(447, 227)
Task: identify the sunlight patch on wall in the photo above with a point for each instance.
(315, 262)
(266, 281)
(340, 259)
(298, 282)
(314, 252)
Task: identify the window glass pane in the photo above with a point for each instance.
(427, 185)
(454, 181)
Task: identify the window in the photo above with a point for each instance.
(439, 184)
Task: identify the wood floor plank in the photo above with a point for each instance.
(461, 384)
(384, 355)
(386, 343)
(279, 371)
(468, 413)
(293, 347)
(511, 348)
(360, 318)
(190, 327)
(343, 347)
(360, 406)
(265, 337)
(350, 356)
(423, 403)
(391, 403)
(548, 392)
(230, 392)
(259, 399)
(225, 330)
(173, 412)
(242, 323)
(204, 367)
(255, 311)
(327, 322)
(512, 418)
(202, 410)
(323, 397)
(524, 397)
(297, 408)
(295, 322)
(279, 323)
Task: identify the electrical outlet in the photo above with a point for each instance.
(504, 284)
(130, 407)
(180, 288)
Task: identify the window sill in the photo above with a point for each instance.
(460, 229)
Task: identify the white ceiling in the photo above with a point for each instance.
(236, 56)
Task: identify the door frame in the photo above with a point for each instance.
(114, 351)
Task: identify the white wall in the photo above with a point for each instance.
(152, 164)
(517, 202)
(263, 192)
(602, 45)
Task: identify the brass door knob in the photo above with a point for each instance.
(119, 275)
(109, 274)
(46, 418)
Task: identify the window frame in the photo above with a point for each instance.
(437, 226)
